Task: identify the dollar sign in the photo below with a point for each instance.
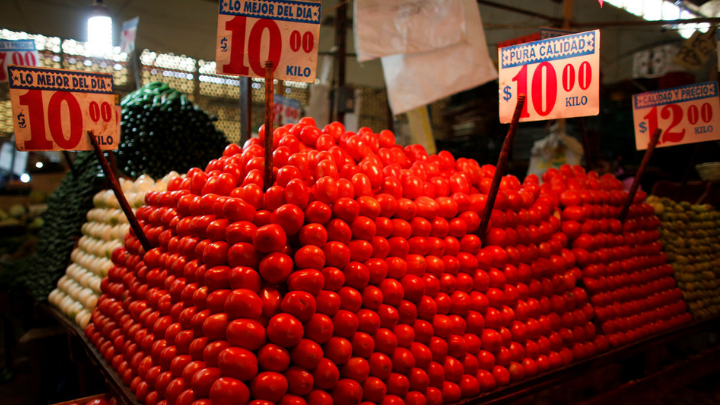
(223, 44)
(643, 128)
(21, 120)
(507, 95)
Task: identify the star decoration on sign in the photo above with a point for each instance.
(16, 77)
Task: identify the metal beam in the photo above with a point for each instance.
(520, 11)
(604, 24)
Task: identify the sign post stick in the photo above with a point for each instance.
(119, 194)
(269, 110)
(69, 162)
(501, 165)
(640, 172)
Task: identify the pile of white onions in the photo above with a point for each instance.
(78, 290)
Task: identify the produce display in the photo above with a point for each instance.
(62, 222)
(78, 290)
(690, 234)
(624, 269)
(533, 294)
(368, 290)
(160, 121)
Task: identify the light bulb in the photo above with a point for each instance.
(100, 35)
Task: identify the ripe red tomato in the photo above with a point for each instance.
(326, 375)
(237, 363)
(228, 391)
(285, 330)
(246, 334)
(269, 386)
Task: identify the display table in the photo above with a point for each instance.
(689, 368)
(113, 380)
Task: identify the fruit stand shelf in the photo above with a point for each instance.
(113, 380)
(500, 395)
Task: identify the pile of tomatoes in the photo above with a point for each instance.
(356, 277)
(623, 266)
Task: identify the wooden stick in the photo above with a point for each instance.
(269, 110)
(69, 162)
(689, 168)
(639, 174)
(501, 165)
(119, 194)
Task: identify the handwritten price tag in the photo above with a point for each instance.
(686, 114)
(282, 31)
(53, 108)
(560, 76)
(20, 52)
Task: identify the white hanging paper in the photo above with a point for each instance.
(415, 80)
(391, 27)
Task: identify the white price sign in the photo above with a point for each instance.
(686, 114)
(560, 77)
(53, 108)
(20, 52)
(282, 31)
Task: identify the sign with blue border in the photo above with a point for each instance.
(559, 76)
(285, 32)
(17, 52)
(686, 114)
(52, 109)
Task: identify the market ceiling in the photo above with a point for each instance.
(188, 27)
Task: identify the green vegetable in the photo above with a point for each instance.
(163, 131)
(62, 221)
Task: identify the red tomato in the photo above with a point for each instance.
(374, 390)
(269, 386)
(285, 330)
(246, 334)
(269, 238)
(306, 354)
(227, 391)
(300, 304)
(242, 303)
(347, 392)
(238, 363)
(300, 381)
(326, 375)
(338, 350)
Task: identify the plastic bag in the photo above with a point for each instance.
(415, 80)
(554, 150)
(391, 27)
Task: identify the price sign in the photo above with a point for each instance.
(287, 110)
(53, 108)
(686, 114)
(282, 31)
(20, 52)
(560, 77)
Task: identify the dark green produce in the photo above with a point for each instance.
(66, 212)
(163, 131)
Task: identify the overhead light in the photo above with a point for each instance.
(39, 165)
(25, 178)
(100, 30)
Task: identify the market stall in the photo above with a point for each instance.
(302, 262)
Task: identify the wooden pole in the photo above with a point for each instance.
(269, 110)
(340, 43)
(640, 172)
(567, 13)
(69, 162)
(245, 110)
(119, 194)
(689, 168)
(501, 165)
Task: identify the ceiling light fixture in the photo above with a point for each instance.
(100, 30)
